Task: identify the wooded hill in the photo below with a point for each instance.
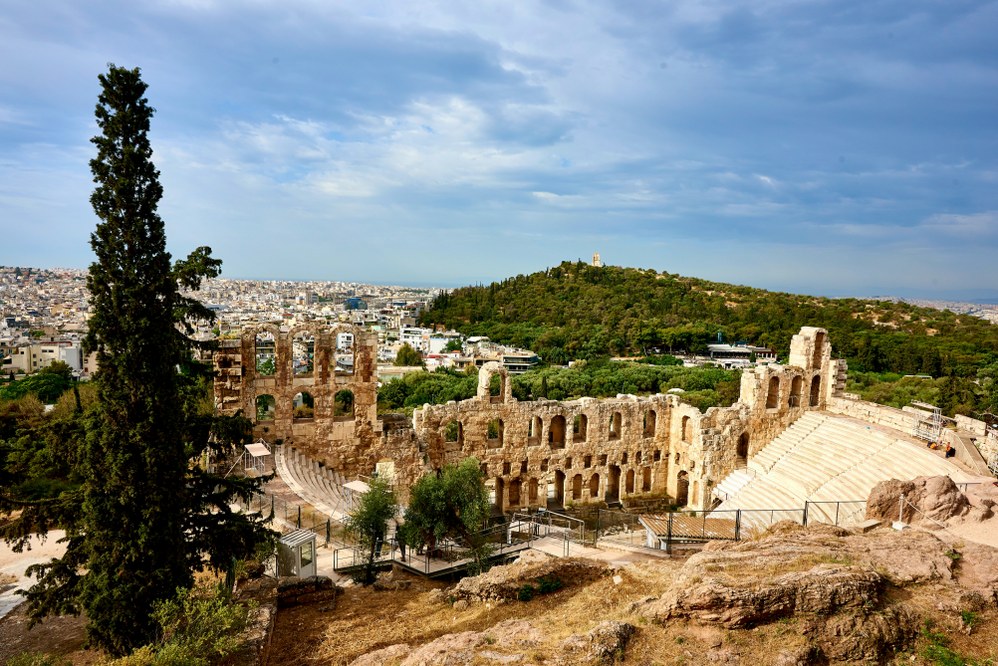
(578, 311)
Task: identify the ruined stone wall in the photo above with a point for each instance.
(346, 441)
(567, 452)
(537, 453)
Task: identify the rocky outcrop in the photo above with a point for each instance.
(293, 591)
(929, 500)
(505, 583)
(605, 644)
(833, 579)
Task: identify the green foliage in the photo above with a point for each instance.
(454, 345)
(197, 627)
(577, 311)
(936, 649)
(418, 388)
(526, 592)
(452, 503)
(121, 471)
(704, 387)
(47, 384)
(549, 584)
(368, 521)
(407, 356)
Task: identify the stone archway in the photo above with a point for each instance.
(683, 489)
(613, 484)
(741, 453)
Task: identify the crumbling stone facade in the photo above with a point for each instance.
(542, 453)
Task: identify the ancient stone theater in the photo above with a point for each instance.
(314, 390)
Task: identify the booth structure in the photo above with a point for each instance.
(296, 554)
(255, 458)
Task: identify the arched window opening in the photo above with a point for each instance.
(796, 386)
(266, 407)
(646, 480)
(649, 423)
(556, 432)
(580, 424)
(773, 395)
(344, 354)
(615, 425)
(629, 482)
(816, 390)
(343, 407)
(684, 433)
(534, 427)
(577, 487)
(266, 354)
(303, 405)
(497, 387)
(499, 492)
(594, 485)
(494, 433)
(532, 491)
(303, 354)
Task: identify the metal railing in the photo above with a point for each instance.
(445, 557)
(286, 516)
(693, 526)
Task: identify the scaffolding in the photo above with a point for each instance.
(930, 423)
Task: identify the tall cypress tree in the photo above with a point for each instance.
(134, 462)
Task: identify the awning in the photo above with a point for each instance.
(257, 449)
(357, 486)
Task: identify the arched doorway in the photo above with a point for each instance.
(577, 487)
(514, 494)
(816, 390)
(683, 489)
(741, 453)
(629, 482)
(613, 484)
(594, 486)
(500, 491)
(559, 489)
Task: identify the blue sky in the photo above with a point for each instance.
(831, 147)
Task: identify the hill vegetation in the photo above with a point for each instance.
(577, 311)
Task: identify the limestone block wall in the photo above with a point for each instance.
(340, 440)
(537, 453)
(547, 452)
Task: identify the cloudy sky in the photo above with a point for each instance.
(835, 147)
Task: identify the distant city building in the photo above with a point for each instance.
(730, 356)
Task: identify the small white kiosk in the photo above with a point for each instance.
(296, 554)
(255, 458)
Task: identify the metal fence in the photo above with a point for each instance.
(286, 516)
(665, 529)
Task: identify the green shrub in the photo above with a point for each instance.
(526, 592)
(548, 584)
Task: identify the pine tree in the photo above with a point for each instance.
(134, 462)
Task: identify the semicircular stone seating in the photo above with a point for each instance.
(315, 483)
(827, 458)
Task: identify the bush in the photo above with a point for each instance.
(198, 627)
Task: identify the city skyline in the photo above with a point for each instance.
(832, 148)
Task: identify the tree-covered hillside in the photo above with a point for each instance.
(579, 311)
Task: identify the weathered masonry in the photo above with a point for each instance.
(315, 389)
